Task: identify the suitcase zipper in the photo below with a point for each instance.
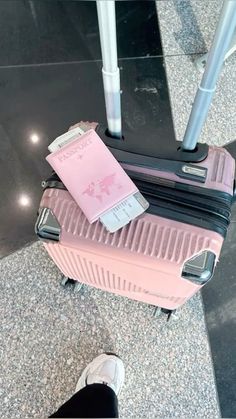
(203, 203)
(169, 208)
(218, 196)
(185, 215)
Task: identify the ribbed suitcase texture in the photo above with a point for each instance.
(143, 261)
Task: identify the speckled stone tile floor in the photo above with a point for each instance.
(187, 29)
(183, 80)
(49, 333)
(187, 26)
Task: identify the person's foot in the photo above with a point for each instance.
(104, 369)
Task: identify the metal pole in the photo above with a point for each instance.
(110, 70)
(222, 39)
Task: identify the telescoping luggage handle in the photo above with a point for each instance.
(111, 77)
(220, 45)
(110, 70)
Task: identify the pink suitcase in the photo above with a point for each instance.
(154, 259)
(143, 261)
(164, 256)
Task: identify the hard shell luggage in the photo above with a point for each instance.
(167, 254)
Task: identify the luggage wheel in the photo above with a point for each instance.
(171, 314)
(65, 281)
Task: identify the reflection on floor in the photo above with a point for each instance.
(49, 99)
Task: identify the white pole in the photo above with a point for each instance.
(110, 70)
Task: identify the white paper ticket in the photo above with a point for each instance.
(64, 139)
(120, 215)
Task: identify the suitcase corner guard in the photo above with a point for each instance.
(47, 227)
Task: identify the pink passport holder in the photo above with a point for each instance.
(92, 175)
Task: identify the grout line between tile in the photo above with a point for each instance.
(92, 61)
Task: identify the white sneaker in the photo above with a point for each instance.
(104, 369)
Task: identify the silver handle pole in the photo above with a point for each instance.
(222, 39)
(110, 70)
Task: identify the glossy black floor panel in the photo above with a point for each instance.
(36, 31)
(39, 103)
